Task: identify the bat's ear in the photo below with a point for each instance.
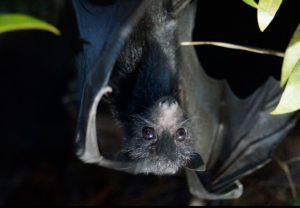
(196, 163)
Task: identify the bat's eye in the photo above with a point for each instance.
(148, 133)
(180, 134)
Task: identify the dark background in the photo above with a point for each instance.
(39, 106)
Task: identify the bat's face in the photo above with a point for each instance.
(160, 141)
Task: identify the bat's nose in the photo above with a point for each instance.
(165, 147)
(153, 147)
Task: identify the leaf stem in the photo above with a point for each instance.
(235, 47)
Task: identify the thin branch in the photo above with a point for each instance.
(288, 174)
(292, 160)
(235, 47)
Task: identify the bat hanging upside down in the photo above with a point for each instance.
(145, 98)
(172, 114)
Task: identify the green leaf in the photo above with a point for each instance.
(251, 3)
(292, 54)
(266, 11)
(290, 99)
(13, 22)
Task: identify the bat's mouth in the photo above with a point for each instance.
(153, 164)
(158, 165)
(162, 166)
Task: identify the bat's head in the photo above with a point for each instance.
(160, 140)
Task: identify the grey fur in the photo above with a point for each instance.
(164, 155)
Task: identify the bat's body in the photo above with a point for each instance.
(133, 47)
(145, 97)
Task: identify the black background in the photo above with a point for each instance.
(37, 160)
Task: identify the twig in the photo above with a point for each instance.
(283, 165)
(292, 160)
(235, 47)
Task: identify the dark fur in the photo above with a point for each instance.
(145, 85)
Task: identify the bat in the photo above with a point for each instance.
(145, 99)
(172, 115)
